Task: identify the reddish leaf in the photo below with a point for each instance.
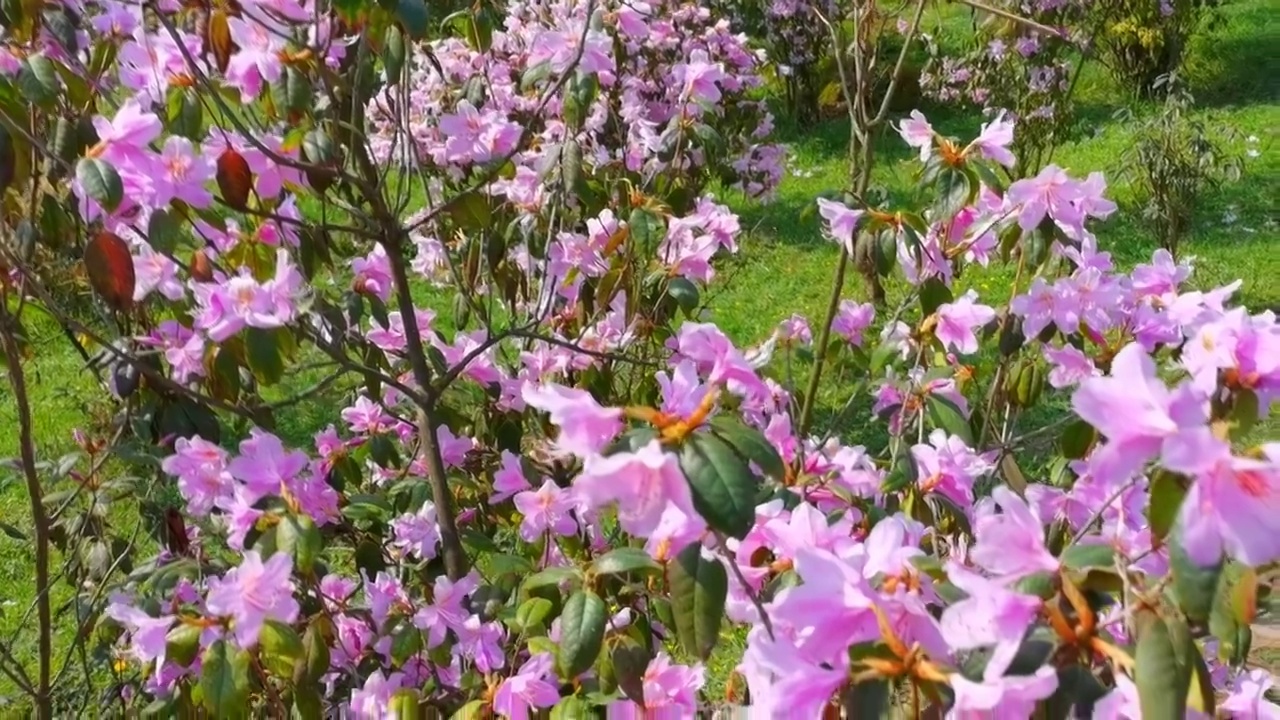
(235, 179)
(201, 268)
(218, 33)
(110, 268)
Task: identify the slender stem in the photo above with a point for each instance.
(40, 521)
(1097, 516)
(1052, 32)
(455, 559)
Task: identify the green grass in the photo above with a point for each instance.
(786, 266)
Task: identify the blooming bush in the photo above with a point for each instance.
(556, 493)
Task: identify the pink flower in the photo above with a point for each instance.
(1051, 193)
(1248, 696)
(585, 427)
(546, 510)
(1010, 696)
(994, 140)
(1136, 412)
(957, 321)
(183, 172)
(1010, 543)
(835, 598)
(949, 467)
(373, 700)
(918, 133)
(253, 593)
(417, 533)
(699, 77)
(529, 687)
(509, 479)
(1070, 366)
(146, 634)
(201, 468)
(643, 483)
(367, 417)
(842, 221)
(852, 319)
(259, 57)
(373, 273)
(155, 272)
(265, 466)
(124, 138)
(1234, 504)
(991, 615)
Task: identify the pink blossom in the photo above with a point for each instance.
(124, 138)
(1050, 193)
(991, 615)
(146, 633)
(509, 479)
(533, 685)
(957, 321)
(201, 469)
(253, 593)
(1009, 696)
(417, 534)
(1248, 696)
(1070, 366)
(373, 273)
(948, 466)
(994, 140)
(1234, 504)
(700, 78)
(852, 319)
(918, 133)
(1136, 412)
(842, 221)
(1010, 543)
(642, 483)
(546, 510)
(155, 272)
(183, 172)
(374, 699)
(585, 427)
(265, 466)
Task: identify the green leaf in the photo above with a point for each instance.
(868, 699)
(534, 75)
(582, 624)
(1162, 688)
(264, 355)
(630, 661)
(1088, 557)
(315, 654)
(934, 294)
(570, 165)
(532, 613)
(1167, 491)
(1039, 584)
(470, 211)
(280, 648)
(413, 15)
(885, 251)
(723, 488)
(552, 576)
(1244, 413)
(38, 80)
(625, 560)
(224, 680)
(101, 181)
(393, 54)
(298, 536)
(182, 644)
(699, 587)
(1195, 587)
(571, 708)
(163, 232)
(750, 444)
(685, 293)
(1076, 439)
(405, 643)
(645, 228)
(947, 415)
(954, 191)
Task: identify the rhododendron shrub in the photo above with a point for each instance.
(478, 245)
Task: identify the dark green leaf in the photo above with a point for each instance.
(182, 644)
(163, 232)
(582, 624)
(298, 536)
(280, 648)
(933, 294)
(413, 15)
(224, 680)
(1194, 586)
(1088, 557)
(1167, 491)
(532, 613)
(868, 699)
(685, 293)
(38, 80)
(723, 488)
(101, 182)
(630, 661)
(1162, 687)
(625, 560)
(751, 444)
(699, 587)
(946, 415)
(1076, 439)
(264, 354)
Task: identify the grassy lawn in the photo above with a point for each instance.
(786, 266)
